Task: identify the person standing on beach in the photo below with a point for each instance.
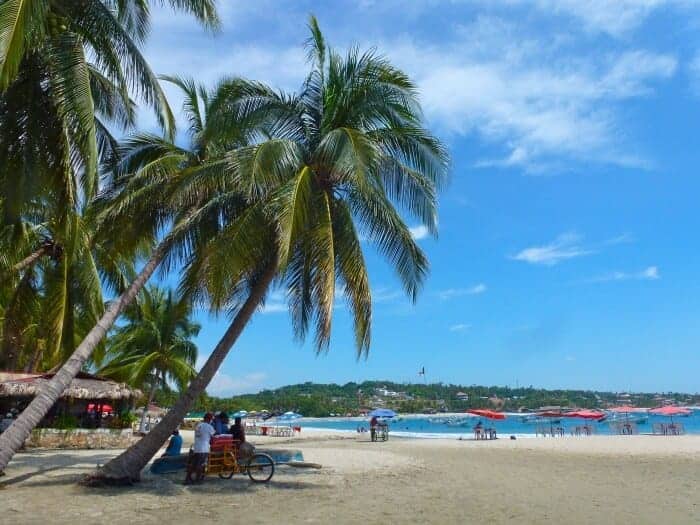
(373, 428)
(238, 430)
(203, 433)
(221, 423)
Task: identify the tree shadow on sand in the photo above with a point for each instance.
(51, 461)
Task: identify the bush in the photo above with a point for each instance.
(65, 422)
(128, 418)
(123, 420)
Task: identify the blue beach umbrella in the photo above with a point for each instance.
(382, 412)
(289, 416)
(240, 413)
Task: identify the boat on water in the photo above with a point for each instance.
(452, 421)
(533, 419)
(626, 418)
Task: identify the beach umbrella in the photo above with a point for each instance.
(489, 414)
(585, 414)
(240, 413)
(552, 415)
(626, 409)
(289, 416)
(670, 411)
(382, 412)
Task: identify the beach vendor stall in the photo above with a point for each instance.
(378, 426)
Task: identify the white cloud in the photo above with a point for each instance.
(539, 90)
(459, 327)
(419, 232)
(538, 102)
(386, 295)
(614, 17)
(565, 246)
(274, 308)
(458, 292)
(275, 303)
(650, 273)
(227, 385)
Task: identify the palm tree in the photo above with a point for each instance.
(161, 184)
(154, 348)
(54, 105)
(336, 157)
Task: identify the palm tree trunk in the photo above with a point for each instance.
(127, 467)
(12, 439)
(142, 424)
(31, 259)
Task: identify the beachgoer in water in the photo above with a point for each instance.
(203, 433)
(175, 444)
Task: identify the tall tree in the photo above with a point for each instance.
(343, 155)
(154, 348)
(51, 102)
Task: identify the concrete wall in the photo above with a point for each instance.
(80, 438)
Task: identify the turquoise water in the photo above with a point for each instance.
(436, 427)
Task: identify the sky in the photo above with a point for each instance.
(567, 253)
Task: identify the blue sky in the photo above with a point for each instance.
(567, 254)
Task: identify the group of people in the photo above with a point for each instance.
(209, 427)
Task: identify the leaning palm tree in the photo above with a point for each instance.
(338, 157)
(154, 348)
(51, 98)
(163, 185)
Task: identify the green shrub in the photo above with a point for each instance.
(65, 422)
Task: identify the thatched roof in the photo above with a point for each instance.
(84, 386)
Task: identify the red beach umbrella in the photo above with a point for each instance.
(670, 411)
(585, 414)
(489, 414)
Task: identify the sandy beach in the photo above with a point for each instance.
(627, 479)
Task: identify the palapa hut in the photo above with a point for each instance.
(89, 401)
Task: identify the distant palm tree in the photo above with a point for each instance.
(337, 157)
(67, 67)
(154, 348)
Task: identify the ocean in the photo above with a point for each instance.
(458, 425)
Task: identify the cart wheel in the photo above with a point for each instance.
(227, 474)
(260, 468)
(228, 465)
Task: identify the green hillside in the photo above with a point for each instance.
(320, 400)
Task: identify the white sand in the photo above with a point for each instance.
(622, 479)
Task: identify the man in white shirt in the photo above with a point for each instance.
(203, 433)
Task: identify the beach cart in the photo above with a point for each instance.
(225, 461)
